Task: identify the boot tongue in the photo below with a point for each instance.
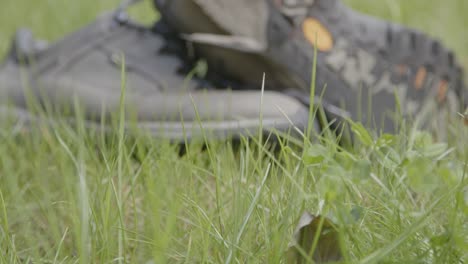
(246, 18)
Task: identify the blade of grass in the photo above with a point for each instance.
(253, 204)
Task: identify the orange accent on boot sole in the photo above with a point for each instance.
(420, 78)
(442, 91)
(316, 33)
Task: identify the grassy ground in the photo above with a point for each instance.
(75, 196)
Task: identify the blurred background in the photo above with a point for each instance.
(51, 19)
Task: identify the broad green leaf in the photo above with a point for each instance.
(421, 176)
(389, 158)
(386, 140)
(435, 150)
(315, 155)
(422, 139)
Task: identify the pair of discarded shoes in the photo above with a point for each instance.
(360, 63)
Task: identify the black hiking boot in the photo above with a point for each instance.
(363, 63)
(85, 67)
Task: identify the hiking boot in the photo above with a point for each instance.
(363, 64)
(85, 67)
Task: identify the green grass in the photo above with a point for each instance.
(73, 195)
